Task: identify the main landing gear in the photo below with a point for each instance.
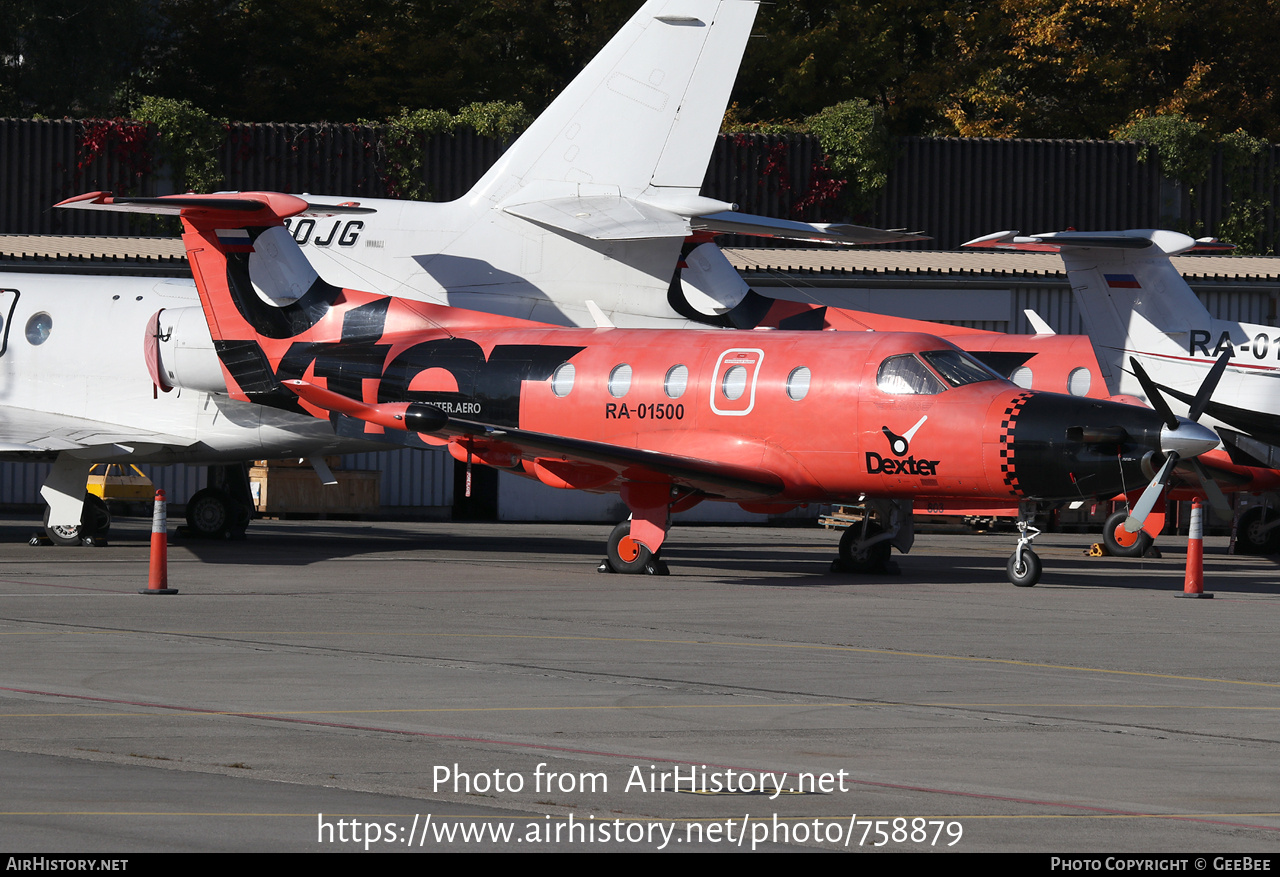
(1258, 531)
(635, 545)
(627, 556)
(865, 545)
(95, 523)
(1111, 531)
(224, 508)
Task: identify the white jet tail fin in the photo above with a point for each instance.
(1130, 295)
(642, 116)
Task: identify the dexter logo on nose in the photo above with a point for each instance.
(900, 444)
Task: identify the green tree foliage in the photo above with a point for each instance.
(1185, 150)
(1182, 147)
(856, 141)
(190, 141)
(1019, 68)
(70, 57)
(313, 60)
(404, 137)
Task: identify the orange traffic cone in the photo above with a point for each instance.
(1193, 584)
(158, 575)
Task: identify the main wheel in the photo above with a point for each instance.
(869, 559)
(1251, 535)
(1027, 573)
(211, 514)
(1114, 548)
(626, 555)
(95, 521)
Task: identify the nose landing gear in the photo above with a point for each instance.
(1024, 565)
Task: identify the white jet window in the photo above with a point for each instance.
(38, 328)
(619, 381)
(1022, 377)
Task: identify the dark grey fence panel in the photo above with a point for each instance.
(43, 161)
(951, 188)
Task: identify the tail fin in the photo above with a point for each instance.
(1129, 293)
(269, 313)
(643, 114)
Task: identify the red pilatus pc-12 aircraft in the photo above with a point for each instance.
(769, 419)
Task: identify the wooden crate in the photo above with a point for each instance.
(280, 490)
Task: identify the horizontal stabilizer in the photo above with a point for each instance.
(787, 229)
(173, 205)
(615, 218)
(1169, 242)
(603, 218)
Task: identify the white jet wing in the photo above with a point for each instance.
(26, 432)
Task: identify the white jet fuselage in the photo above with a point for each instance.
(86, 389)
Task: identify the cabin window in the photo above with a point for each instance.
(562, 379)
(1022, 376)
(798, 384)
(907, 376)
(38, 328)
(1079, 382)
(734, 383)
(676, 381)
(619, 381)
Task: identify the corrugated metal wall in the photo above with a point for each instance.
(20, 482)
(411, 478)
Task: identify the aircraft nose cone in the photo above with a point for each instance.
(1188, 439)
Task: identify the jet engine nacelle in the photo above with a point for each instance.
(180, 351)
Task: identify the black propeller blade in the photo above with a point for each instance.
(1147, 501)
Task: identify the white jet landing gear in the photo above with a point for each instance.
(224, 508)
(95, 524)
(73, 517)
(1258, 531)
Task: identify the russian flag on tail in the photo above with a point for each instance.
(1122, 281)
(235, 240)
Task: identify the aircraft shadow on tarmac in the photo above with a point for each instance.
(732, 562)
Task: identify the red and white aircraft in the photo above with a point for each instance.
(665, 418)
(1157, 344)
(586, 212)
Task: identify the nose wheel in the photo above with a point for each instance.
(1024, 565)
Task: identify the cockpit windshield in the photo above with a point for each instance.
(905, 375)
(958, 368)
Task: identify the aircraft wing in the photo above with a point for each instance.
(27, 432)
(629, 463)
